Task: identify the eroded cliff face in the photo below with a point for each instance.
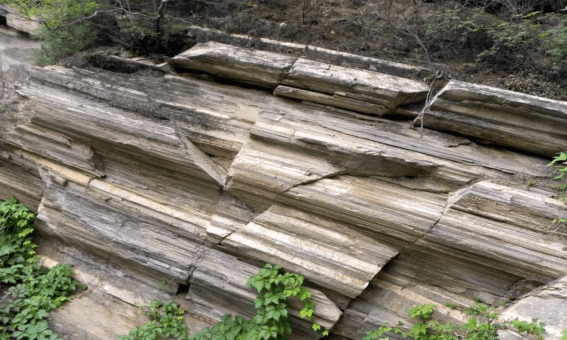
(184, 186)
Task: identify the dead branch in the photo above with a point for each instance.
(161, 9)
(428, 102)
(404, 31)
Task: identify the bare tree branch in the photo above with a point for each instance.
(161, 9)
(404, 31)
(428, 102)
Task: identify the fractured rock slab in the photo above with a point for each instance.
(502, 117)
(302, 241)
(546, 304)
(377, 88)
(256, 67)
(503, 227)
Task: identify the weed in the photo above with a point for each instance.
(529, 184)
(449, 305)
(166, 322)
(561, 160)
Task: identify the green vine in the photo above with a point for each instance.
(272, 319)
(32, 290)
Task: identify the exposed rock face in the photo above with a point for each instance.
(502, 117)
(547, 304)
(175, 181)
(18, 22)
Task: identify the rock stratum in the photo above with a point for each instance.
(184, 185)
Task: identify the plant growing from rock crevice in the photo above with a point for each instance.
(481, 325)
(272, 319)
(270, 323)
(561, 161)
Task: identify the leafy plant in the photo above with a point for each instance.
(531, 328)
(449, 305)
(272, 319)
(166, 322)
(554, 42)
(59, 37)
(481, 325)
(561, 160)
(33, 291)
(512, 42)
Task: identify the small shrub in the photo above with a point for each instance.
(554, 42)
(57, 44)
(461, 34)
(514, 42)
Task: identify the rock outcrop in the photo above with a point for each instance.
(182, 186)
(18, 22)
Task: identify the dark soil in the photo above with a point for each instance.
(353, 26)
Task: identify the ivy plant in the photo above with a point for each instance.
(32, 290)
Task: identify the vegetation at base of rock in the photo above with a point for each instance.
(166, 322)
(272, 319)
(561, 160)
(481, 325)
(32, 291)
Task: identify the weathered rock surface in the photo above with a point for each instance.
(256, 67)
(359, 90)
(501, 117)
(218, 287)
(18, 22)
(190, 186)
(374, 87)
(202, 34)
(547, 304)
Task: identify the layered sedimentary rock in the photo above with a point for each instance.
(218, 287)
(499, 116)
(19, 22)
(546, 303)
(187, 187)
